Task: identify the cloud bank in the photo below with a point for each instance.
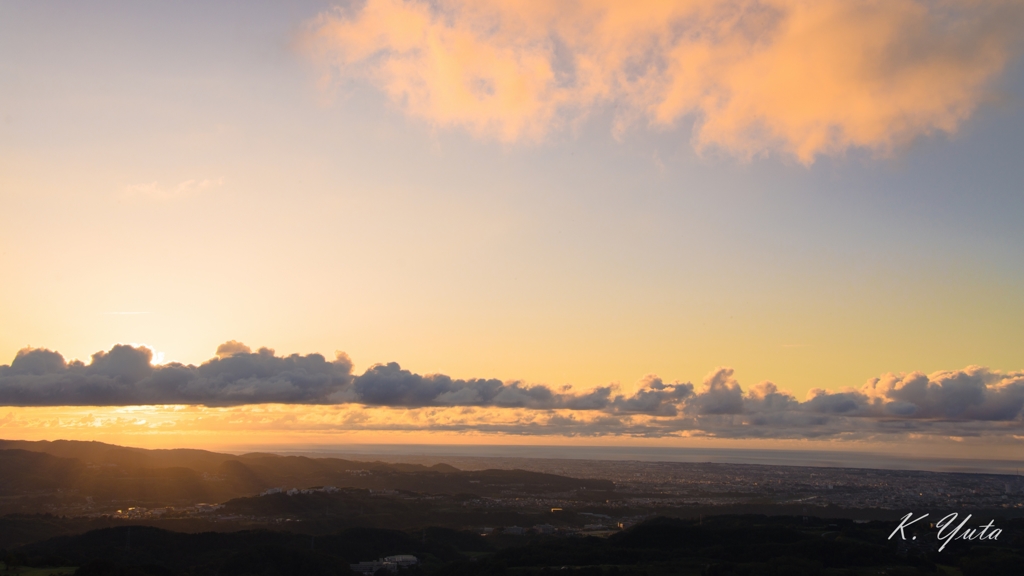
(799, 77)
(974, 401)
(124, 376)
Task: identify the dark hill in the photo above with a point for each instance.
(78, 478)
(98, 453)
(25, 471)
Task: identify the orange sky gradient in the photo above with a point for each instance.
(569, 222)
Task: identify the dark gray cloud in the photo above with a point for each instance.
(390, 385)
(972, 401)
(125, 376)
(654, 397)
(721, 395)
(974, 393)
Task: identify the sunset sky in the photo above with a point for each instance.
(771, 223)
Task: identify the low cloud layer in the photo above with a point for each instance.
(799, 77)
(970, 402)
(125, 376)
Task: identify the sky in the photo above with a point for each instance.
(778, 222)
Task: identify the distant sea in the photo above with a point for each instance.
(816, 458)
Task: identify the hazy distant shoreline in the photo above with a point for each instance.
(814, 458)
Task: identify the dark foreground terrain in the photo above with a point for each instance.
(720, 545)
(96, 509)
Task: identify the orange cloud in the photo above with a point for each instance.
(798, 77)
